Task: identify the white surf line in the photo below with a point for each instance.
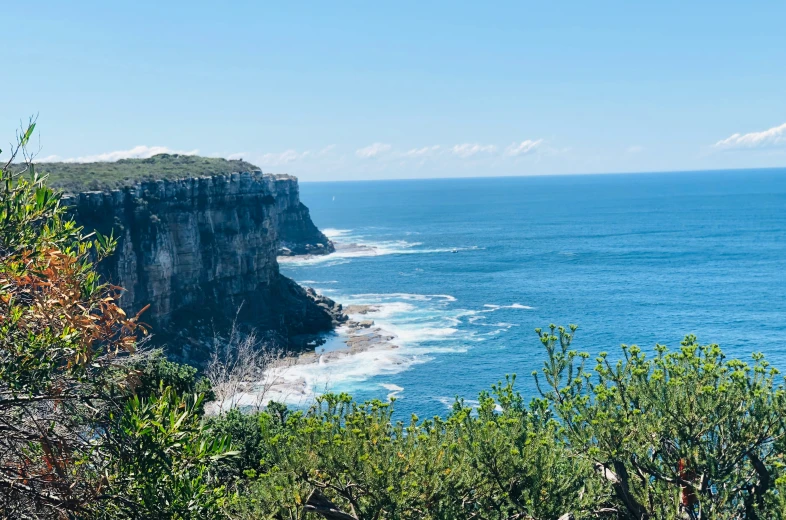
(350, 246)
(490, 307)
(410, 319)
(394, 390)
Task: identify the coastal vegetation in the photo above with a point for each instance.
(80, 433)
(92, 426)
(80, 176)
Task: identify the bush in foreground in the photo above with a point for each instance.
(685, 434)
(75, 440)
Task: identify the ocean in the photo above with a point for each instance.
(465, 269)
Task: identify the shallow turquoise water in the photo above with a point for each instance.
(639, 259)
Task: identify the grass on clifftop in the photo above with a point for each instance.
(77, 177)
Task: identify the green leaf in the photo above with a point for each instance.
(26, 137)
(41, 196)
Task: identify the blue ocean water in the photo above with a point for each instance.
(637, 259)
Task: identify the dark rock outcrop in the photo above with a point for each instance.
(202, 253)
(298, 235)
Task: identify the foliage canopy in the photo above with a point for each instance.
(77, 177)
(75, 440)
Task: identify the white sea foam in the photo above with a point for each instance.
(421, 325)
(431, 349)
(448, 402)
(299, 384)
(490, 307)
(454, 320)
(405, 296)
(413, 334)
(351, 245)
(335, 233)
(318, 261)
(394, 389)
(411, 318)
(388, 310)
(421, 328)
(501, 324)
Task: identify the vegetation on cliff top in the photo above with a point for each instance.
(76, 177)
(91, 429)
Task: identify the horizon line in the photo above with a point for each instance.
(644, 172)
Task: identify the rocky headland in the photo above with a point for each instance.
(202, 253)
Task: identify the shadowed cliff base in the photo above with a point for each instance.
(283, 317)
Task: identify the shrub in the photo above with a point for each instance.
(686, 433)
(74, 442)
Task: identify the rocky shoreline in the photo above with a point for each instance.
(359, 335)
(285, 380)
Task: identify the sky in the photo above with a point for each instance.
(376, 90)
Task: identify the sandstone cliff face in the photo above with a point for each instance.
(297, 233)
(198, 250)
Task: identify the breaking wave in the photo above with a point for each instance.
(349, 245)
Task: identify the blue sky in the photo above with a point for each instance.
(371, 90)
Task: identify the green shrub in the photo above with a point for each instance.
(155, 370)
(75, 442)
(684, 434)
(160, 461)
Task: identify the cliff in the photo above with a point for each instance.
(297, 233)
(202, 253)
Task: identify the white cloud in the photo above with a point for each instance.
(469, 149)
(422, 152)
(523, 148)
(771, 137)
(289, 156)
(137, 152)
(285, 157)
(636, 148)
(48, 158)
(373, 150)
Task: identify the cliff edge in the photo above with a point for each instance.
(202, 253)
